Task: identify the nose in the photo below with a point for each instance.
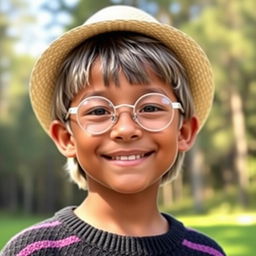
(125, 128)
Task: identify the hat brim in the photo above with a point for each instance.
(189, 53)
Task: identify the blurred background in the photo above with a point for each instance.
(216, 191)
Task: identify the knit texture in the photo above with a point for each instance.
(66, 234)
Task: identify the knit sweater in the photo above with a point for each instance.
(66, 234)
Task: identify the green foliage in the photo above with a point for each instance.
(225, 30)
(227, 34)
(84, 9)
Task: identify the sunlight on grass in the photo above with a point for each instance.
(234, 232)
(212, 220)
(223, 219)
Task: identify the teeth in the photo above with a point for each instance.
(127, 158)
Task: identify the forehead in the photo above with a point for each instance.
(124, 91)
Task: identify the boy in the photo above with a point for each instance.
(123, 98)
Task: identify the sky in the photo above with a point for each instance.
(34, 38)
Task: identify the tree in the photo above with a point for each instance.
(226, 34)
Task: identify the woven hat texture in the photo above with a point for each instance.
(121, 18)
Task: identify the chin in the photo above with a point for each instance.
(132, 187)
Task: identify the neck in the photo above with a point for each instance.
(124, 214)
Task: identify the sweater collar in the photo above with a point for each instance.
(149, 245)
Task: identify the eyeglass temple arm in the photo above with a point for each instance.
(72, 110)
(177, 105)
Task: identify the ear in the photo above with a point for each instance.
(62, 138)
(188, 133)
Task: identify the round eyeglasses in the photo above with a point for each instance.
(152, 111)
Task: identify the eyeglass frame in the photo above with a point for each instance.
(74, 110)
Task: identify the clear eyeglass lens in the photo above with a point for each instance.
(152, 112)
(95, 115)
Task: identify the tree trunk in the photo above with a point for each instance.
(11, 191)
(195, 160)
(233, 67)
(178, 188)
(28, 192)
(238, 123)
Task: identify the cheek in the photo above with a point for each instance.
(167, 150)
(168, 140)
(86, 150)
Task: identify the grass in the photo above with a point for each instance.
(234, 232)
(223, 219)
(10, 224)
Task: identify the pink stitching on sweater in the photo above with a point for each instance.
(201, 248)
(45, 244)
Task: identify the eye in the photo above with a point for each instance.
(100, 111)
(151, 108)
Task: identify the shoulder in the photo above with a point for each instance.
(198, 243)
(46, 234)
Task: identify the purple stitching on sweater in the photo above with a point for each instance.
(201, 248)
(44, 244)
(44, 225)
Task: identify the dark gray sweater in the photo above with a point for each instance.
(66, 234)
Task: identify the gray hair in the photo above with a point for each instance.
(135, 55)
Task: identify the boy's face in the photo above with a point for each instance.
(104, 157)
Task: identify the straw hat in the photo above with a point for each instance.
(121, 18)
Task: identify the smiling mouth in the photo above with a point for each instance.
(128, 157)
